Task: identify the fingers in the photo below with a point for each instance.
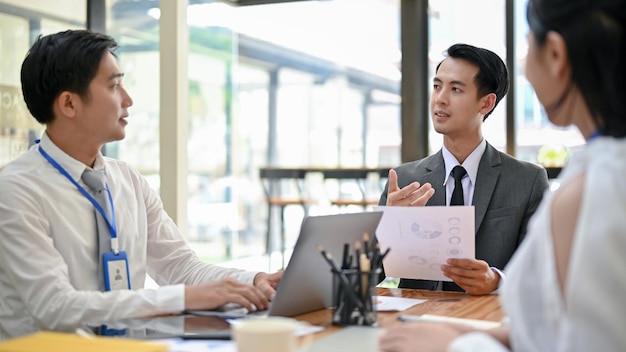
(474, 276)
(396, 194)
(215, 294)
(417, 336)
(268, 283)
(396, 339)
(468, 263)
(427, 193)
(411, 195)
(253, 296)
(393, 181)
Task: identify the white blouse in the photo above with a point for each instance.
(593, 315)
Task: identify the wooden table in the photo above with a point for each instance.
(452, 304)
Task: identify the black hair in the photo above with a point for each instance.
(64, 61)
(492, 76)
(594, 33)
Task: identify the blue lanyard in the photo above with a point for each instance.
(111, 222)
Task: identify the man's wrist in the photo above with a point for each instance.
(257, 277)
(501, 276)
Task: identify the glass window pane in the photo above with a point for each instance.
(469, 22)
(70, 12)
(20, 22)
(318, 86)
(135, 27)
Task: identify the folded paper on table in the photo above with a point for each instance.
(388, 304)
(475, 323)
(423, 238)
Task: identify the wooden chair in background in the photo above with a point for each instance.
(283, 188)
(357, 177)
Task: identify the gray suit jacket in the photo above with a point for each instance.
(506, 194)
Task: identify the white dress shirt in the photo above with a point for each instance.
(49, 255)
(470, 164)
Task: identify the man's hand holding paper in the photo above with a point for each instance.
(474, 276)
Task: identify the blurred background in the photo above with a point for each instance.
(278, 83)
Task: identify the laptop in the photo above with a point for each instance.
(306, 284)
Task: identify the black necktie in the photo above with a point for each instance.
(457, 195)
(96, 181)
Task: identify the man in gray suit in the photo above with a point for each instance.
(505, 192)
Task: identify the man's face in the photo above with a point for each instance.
(103, 113)
(456, 110)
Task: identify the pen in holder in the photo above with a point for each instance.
(354, 283)
(353, 295)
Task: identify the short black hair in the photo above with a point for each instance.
(64, 61)
(595, 35)
(492, 76)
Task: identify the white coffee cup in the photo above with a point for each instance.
(270, 334)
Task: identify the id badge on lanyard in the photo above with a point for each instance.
(115, 262)
(116, 275)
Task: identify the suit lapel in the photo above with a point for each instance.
(435, 174)
(486, 180)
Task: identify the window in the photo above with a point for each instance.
(21, 21)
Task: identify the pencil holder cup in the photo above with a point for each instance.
(353, 297)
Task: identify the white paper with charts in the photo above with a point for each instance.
(423, 238)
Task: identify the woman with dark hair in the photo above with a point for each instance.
(566, 284)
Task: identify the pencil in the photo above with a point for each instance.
(346, 256)
(384, 254)
(343, 279)
(366, 244)
(364, 271)
(357, 253)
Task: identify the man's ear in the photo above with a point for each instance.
(65, 104)
(488, 102)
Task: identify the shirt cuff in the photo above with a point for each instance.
(502, 276)
(170, 299)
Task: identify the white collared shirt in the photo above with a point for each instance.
(468, 181)
(471, 166)
(48, 247)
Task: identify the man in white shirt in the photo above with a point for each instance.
(50, 258)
